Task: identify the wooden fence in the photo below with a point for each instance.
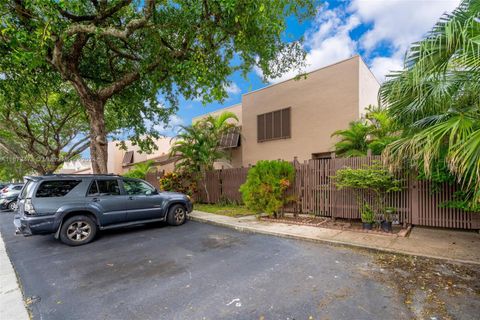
(315, 193)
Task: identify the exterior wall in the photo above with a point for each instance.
(115, 154)
(326, 101)
(368, 88)
(236, 109)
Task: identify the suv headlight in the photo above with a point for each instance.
(28, 207)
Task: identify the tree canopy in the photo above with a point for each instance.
(120, 56)
(374, 132)
(42, 124)
(436, 102)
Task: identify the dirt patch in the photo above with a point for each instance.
(216, 241)
(337, 224)
(429, 287)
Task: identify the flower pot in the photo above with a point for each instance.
(386, 226)
(367, 225)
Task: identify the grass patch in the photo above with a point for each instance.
(229, 210)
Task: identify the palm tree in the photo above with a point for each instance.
(353, 141)
(140, 170)
(383, 129)
(436, 100)
(198, 145)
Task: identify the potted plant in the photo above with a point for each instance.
(386, 223)
(368, 217)
(370, 183)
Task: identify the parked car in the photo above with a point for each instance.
(9, 195)
(75, 207)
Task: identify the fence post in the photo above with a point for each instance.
(414, 205)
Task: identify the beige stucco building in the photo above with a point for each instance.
(295, 118)
(121, 161)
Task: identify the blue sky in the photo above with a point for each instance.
(379, 30)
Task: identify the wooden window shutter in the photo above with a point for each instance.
(286, 120)
(260, 127)
(127, 158)
(269, 126)
(277, 124)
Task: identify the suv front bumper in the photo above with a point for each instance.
(34, 225)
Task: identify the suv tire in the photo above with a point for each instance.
(78, 230)
(177, 215)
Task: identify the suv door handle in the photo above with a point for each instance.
(95, 200)
(130, 198)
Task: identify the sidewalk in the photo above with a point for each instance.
(455, 246)
(11, 299)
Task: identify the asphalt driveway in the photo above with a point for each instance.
(199, 271)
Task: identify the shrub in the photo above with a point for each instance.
(178, 182)
(373, 181)
(140, 170)
(367, 214)
(267, 181)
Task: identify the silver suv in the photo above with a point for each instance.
(75, 207)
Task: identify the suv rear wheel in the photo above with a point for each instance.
(78, 230)
(177, 215)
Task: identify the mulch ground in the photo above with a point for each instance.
(338, 224)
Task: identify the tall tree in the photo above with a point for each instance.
(436, 101)
(127, 52)
(198, 145)
(42, 124)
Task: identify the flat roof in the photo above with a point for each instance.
(292, 79)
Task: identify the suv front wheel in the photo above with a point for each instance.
(78, 230)
(177, 215)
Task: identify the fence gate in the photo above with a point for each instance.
(426, 200)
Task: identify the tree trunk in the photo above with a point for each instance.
(98, 137)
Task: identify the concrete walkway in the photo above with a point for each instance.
(456, 246)
(11, 299)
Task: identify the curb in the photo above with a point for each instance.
(12, 305)
(332, 242)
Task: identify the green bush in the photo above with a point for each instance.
(178, 182)
(374, 182)
(367, 214)
(267, 181)
(140, 170)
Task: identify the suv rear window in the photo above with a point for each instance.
(56, 188)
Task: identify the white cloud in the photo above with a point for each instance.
(394, 24)
(232, 88)
(327, 42)
(172, 127)
(382, 66)
(399, 22)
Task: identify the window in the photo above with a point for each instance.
(26, 190)
(134, 187)
(56, 188)
(93, 190)
(17, 188)
(230, 139)
(273, 125)
(104, 188)
(127, 158)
